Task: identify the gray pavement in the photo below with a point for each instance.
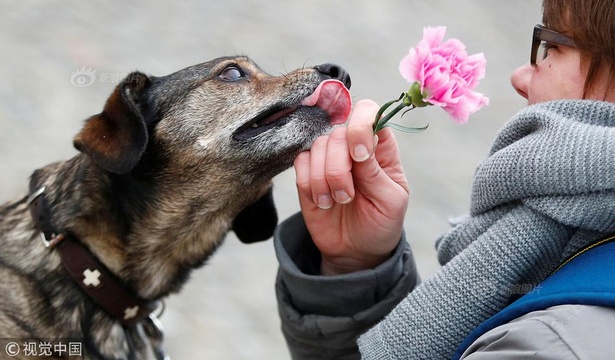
(228, 309)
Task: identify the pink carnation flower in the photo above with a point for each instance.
(446, 74)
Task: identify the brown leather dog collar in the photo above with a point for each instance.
(94, 278)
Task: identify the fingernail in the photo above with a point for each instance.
(324, 201)
(341, 197)
(360, 153)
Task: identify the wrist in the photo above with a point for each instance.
(337, 266)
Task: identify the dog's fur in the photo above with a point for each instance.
(164, 172)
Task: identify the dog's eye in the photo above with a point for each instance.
(231, 73)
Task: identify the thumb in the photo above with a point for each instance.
(360, 135)
(381, 181)
(381, 178)
(377, 173)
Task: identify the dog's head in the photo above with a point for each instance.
(224, 124)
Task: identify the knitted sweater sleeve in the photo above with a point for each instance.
(322, 316)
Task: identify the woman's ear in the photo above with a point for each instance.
(257, 222)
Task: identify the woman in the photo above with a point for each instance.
(546, 191)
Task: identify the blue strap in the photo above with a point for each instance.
(587, 279)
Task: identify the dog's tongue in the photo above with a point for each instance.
(333, 97)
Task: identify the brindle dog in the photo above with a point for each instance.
(168, 167)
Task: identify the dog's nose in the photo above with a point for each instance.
(332, 71)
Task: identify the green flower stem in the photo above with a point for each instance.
(381, 122)
(406, 101)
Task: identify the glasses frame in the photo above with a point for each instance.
(541, 34)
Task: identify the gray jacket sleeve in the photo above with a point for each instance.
(322, 316)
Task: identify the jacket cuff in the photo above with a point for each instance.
(336, 295)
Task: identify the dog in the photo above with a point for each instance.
(168, 167)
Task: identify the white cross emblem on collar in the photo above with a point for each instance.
(131, 312)
(91, 277)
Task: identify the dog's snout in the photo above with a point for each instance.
(332, 71)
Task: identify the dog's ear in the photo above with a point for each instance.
(117, 137)
(257, 221)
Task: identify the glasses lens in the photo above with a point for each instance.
(541, 53)
(543, 40)
(535, 45)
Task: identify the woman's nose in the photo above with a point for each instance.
(520, 79)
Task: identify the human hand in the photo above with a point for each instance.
(353, 194)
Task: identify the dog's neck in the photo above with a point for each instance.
(148, 233)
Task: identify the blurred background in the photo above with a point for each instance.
(61, 59)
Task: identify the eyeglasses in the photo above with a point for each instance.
(542, 35)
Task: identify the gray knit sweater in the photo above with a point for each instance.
(546, 189)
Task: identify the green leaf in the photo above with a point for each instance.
(380, 121)
(407, 129)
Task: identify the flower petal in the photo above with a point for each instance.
(434, 35)
(446, 73)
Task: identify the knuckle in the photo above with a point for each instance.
(320, 141)
(336, 175)
(338, 135)
(316, 180)
(304, 186)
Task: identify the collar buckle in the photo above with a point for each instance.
(50, 239)
(36, 194)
